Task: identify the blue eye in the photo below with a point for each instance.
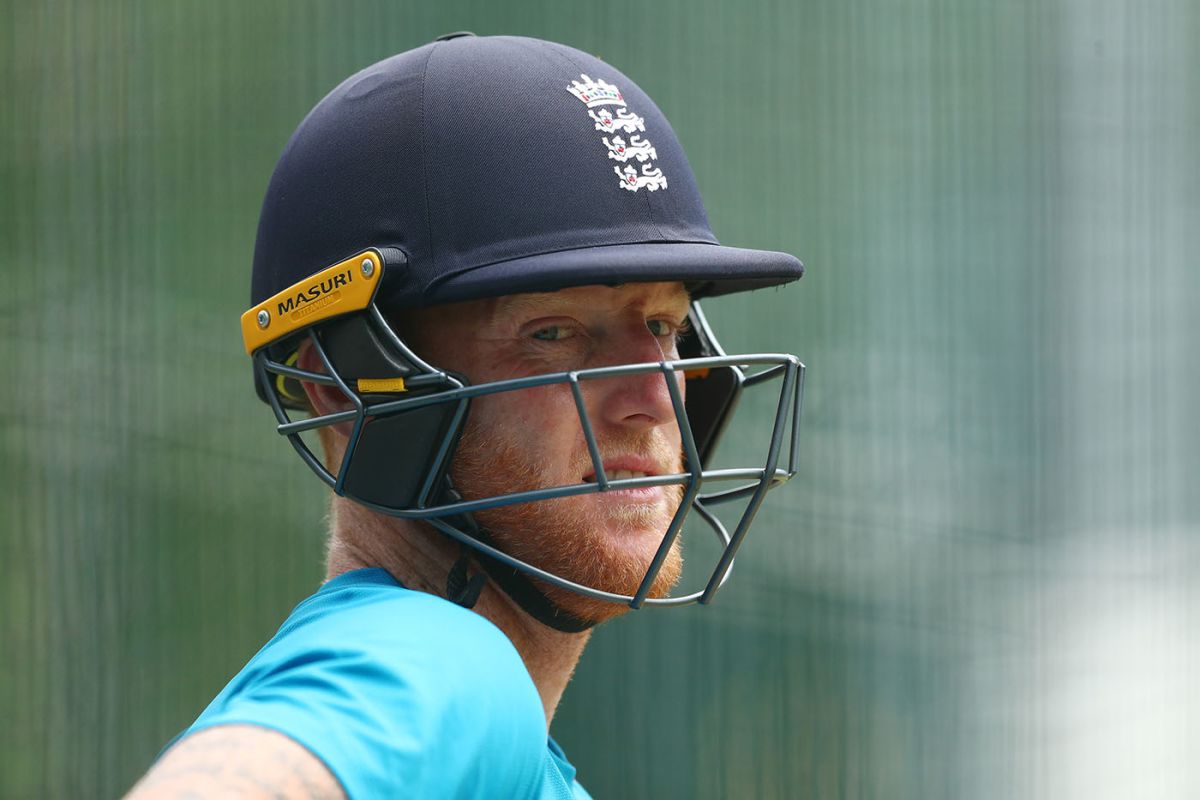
(551, 333)
(660, 327)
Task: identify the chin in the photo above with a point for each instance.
(602, 610)
(604, 545)
(604, 541)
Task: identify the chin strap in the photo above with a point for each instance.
(460, 589)
(517, 585)
(532, 601)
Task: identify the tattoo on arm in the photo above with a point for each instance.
(240, 761)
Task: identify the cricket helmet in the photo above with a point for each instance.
(475, 167)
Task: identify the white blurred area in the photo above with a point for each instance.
(1115, 704)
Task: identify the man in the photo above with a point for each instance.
(461, 251)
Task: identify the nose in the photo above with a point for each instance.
(641, 401)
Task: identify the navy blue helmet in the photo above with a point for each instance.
(475, 167)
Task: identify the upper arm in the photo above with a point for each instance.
(238, 761)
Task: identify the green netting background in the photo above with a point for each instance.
(984, 584)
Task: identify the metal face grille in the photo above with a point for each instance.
(703, 488)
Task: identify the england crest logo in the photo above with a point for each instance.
(601, 97)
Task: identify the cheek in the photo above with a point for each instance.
(543, 420)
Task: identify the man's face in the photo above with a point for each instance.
(532, 439)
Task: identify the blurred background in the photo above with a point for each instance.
(984, 582)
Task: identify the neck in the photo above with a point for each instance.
(421, 558)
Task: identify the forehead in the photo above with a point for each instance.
(656, 297)
(425, 328)
(450, 334)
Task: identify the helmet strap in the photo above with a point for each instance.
(532, 601)
(514, 583)
(460, 589)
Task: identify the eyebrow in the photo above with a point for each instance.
(527, 302)
(537, 301)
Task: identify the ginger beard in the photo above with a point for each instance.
(598, 540)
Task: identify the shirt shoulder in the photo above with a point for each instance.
(395, 690)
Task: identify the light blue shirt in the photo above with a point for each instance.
(400, 693)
